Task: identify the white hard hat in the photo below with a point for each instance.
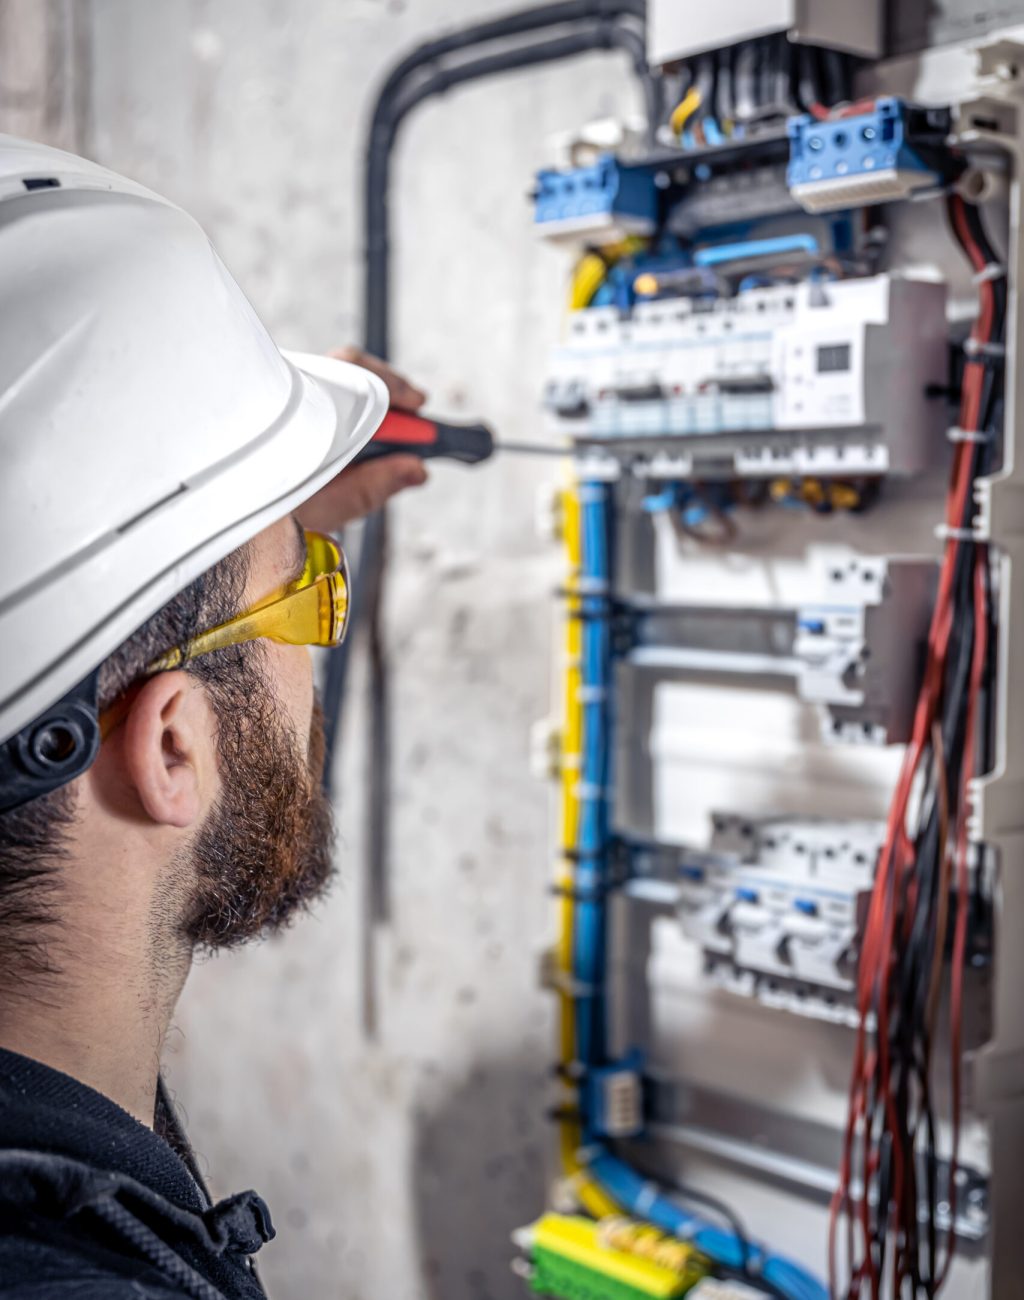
(148, 423)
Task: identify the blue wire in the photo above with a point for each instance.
(591, 834)
(621, 1182)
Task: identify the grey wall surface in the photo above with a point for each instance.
(395, 1164)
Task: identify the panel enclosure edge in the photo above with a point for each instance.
(676, 30)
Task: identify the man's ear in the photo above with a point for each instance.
(169, 752)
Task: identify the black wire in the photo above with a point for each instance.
(763, 79)
(806, 77)
(782, 68)
(835, 76)
(704, 81)
(744, 77)
(907, 990)
(725, 107)
(911, 983)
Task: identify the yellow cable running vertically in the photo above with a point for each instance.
(591, 1196)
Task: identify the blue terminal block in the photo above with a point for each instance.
(602, 202)
(877, 156)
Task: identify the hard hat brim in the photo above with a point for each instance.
(334, 410)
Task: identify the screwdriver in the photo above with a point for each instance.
(430, 439)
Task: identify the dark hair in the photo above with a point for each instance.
(33, 838)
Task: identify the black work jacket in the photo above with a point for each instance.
(95, 1206)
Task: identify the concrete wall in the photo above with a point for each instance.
(394, 1164)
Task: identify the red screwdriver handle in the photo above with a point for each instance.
(419, 435)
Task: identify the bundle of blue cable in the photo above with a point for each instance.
(634, 1193)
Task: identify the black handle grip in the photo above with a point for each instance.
(418, 435)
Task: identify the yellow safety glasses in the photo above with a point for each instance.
(311, 610)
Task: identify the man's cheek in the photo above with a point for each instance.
(292, 671)
(317, 742)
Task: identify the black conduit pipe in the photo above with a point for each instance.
(393, 105)
(522, 23)
(389, 110)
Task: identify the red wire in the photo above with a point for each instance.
(825, 114)
(960, 931)
(894, 878)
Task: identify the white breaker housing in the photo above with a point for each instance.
(775, 906)
(852, 649)
(774, 380)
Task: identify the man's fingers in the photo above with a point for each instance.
(403, 394)
(360, 490)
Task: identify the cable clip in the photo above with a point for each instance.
(947, 533)
(990, 271)
(596, 894)
(572, 1071)
(578, 990)
(982, 349)
(969, 435)
(645, 1199)
(581, 855)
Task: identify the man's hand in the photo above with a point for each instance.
(361, 489)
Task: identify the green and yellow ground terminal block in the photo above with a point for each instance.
(575, 1258)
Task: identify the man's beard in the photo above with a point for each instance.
(264, 852)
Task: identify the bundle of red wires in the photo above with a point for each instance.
(890, 1178)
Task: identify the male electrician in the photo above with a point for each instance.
(167, 482)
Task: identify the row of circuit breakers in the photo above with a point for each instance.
(710, 369)
(827, 365)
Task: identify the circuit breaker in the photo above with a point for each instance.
(776, 906)
(827, 377)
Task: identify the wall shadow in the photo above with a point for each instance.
(480, 1161)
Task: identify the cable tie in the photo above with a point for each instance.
(597, 590)
(581, 855)
(948, 533)
(588, 586)
(564, 1115)
(604, 615)
(596, 894)
(645, 1199)
(969, 435)
(592, 694)
(591, 494)
(990, 271)
(576, 989)
(570, 1070)
(983, 349)
(589, 791)
(588, 1154)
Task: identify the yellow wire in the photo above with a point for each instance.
(590, 271)
(590, 1194)
(587, 277)
(684, 110)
